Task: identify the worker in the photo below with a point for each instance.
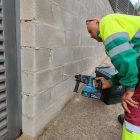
(120, 35)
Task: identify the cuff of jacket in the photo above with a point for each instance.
(110, 82)
(130, 89)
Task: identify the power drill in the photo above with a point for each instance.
(89, 90)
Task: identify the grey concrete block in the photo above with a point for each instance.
(27, 59)
(28, 85)
(36, 9)
(35, 59)
(61, 56)
(27, 9)
(60, 90)
(92, 6)
(85, 13)
(62, 18)
(42, 59)
(57, 38)
(37, 35)
(70, 70)
(74, 7)
(103, 7)
(67, 98)
(32, 106)
(73, 83)
(47, 79)
(72, 38)
(38, 82)
(92, 42)
(84, 40)
(47, 36)
(79, 25)
(83, 64)
(78, 53)
(60, 3)
(98, 2)
(89, 51)
(85, 2)
(44, 11)
(27, 34)
(43, 35)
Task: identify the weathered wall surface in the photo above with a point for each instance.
(55, 45)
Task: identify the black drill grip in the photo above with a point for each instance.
(76, 86)
(99, 84)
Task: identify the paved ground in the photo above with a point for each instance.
(86, 119)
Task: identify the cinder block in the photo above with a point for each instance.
(43, 35)
(85, 13)
(98, 2)
(60, 3)
(92, 6)
(27, 59)
(62, 18)
(47, 79)
(79, 25)
(60, 90)
(91, 61)
(84, 40)
(70, 70)
(27, 9)
(74, 7)
(78, 53)
(90, 51)
(61, 56)
(35, 59)
(28, 34)
(73, 82)
(85, 2)
(72, 38)
(44, 11)
(38, 82)
(102, 6)
(92, 42)
(83, 64)
(28, 85)
(36, 9)
(32, 106)
(67, 98)
(57, 38)
(37, 35)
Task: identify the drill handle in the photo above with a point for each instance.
(99, 84)
(76, 86)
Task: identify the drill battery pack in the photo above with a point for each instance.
(110, 95)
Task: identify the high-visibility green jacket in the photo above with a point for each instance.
(121, 36)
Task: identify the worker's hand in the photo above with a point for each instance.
(105, 83)
(126, 99)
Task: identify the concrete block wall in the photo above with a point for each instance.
(55, 46)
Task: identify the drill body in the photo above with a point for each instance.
(89, 90)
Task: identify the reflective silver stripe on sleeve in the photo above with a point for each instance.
(116, 35)
(121, 48)
(131, 127)
(137, 34)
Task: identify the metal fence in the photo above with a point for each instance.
(123, 6)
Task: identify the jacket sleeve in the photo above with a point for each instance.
(120, 49)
